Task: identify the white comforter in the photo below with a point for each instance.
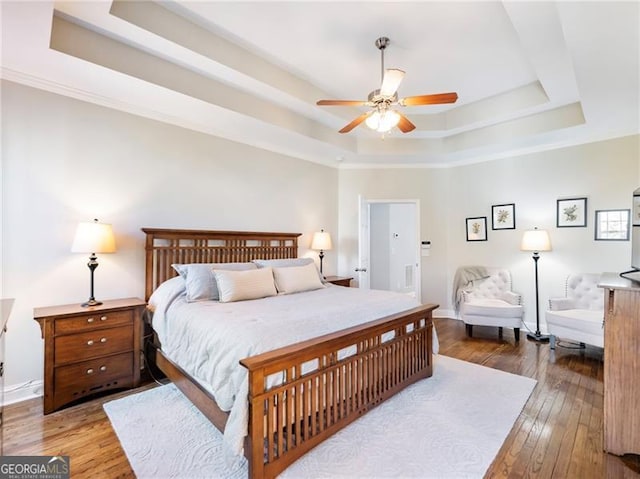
(208, 339)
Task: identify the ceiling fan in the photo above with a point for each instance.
(382, 116)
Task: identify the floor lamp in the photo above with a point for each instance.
(536, 240)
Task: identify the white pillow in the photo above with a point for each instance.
(199, 279)
(296, 279)
(241, 285)
(287, 263)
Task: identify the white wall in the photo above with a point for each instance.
(65, 161)
(604, 172)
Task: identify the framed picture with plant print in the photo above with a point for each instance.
(503, 217)
(571, 213)
(635, 212)
(477, 228)
(612, 225)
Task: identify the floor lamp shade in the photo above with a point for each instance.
(321, 241)
(93, 237)
(536, 240)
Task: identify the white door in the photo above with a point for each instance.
(363, 243)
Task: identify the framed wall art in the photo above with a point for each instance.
(477, 228)
(635, 212)
(503, 217)
(571, 213)
(612, 225)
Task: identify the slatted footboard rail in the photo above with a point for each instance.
(301, 394)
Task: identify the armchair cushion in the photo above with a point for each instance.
(491, 307)
(588, 321)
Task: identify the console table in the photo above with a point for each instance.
(621, 365)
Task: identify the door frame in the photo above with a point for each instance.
(364, 232)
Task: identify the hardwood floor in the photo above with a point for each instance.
(558, 434)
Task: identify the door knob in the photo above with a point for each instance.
(361, 270)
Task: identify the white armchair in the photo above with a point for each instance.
(579, 316)
(490, 302)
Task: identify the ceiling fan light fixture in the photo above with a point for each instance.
(381, 118)
(383, 121)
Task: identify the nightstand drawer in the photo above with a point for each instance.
(92, 344)
(93, 320)
(95, 372)
(89, 377)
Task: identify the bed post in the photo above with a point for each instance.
(255, 440)
(148, 283)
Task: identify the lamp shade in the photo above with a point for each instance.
(93, 237)
(535, 240)
(321, 241)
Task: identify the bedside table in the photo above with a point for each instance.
(339, 280)
(89, 350)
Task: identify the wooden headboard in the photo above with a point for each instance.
(165, 247)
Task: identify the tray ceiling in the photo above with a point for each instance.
(530, 75)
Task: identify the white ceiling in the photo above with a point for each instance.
(530, 76)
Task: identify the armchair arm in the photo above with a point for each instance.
(561, 304)
(511, 298)
(467, 295)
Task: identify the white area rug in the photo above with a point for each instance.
(448, 426)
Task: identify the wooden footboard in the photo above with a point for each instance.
(325, 383)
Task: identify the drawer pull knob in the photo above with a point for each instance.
(103, 318)
(90, 320)
(89, 371)
(103, 368)
(90, 342)
(103, 340)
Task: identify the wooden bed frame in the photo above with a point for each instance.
(287, 420)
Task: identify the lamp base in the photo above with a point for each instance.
(91, 302)
(541, 338)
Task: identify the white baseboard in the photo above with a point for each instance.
(21, 392)
(444, 313)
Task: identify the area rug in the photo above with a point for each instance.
(448, 426)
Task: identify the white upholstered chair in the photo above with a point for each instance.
(579, 316)
(490, 302)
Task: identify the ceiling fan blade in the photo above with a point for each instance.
(404, 125)
(436, 99)
(355, 123)
(391, 81)
(341, 102)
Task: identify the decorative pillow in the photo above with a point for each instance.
(199, 279)
(296, 279)
(287, 263)
(242, 285)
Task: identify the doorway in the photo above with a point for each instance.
(389, 246)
